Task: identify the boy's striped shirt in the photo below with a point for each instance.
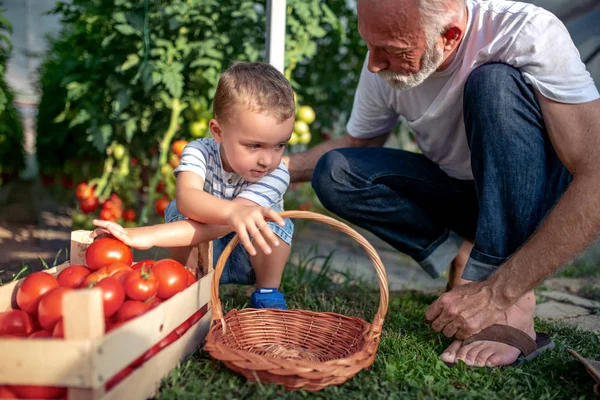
(202, 156)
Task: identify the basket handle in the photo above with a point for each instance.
(376, 325)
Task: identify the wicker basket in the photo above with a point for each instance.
(296, 348)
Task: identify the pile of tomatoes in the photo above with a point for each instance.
(128, 291)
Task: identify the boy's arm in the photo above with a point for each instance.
(175, 234)
(246, 218)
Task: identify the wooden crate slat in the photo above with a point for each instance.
(124, 345)
(45, 362)
(145, 380)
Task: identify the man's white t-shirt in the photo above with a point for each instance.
(522, 35)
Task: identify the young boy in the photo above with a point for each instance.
(234, 181)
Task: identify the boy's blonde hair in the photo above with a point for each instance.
(257, 87)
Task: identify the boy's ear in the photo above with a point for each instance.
(216, 130)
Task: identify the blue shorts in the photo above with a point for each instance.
(238, 268)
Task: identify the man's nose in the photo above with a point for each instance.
(377, 62)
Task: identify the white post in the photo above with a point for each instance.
(276, 12)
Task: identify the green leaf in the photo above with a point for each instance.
(130, 128)
(173, 79)
(106, 41)
(82, 116)
(132, 60)
(119, 17)
(125, 29)
(101, 136)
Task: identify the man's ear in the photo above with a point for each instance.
(452, 37)
(216, 130)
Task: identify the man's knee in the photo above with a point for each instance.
(489, 81)
(332, 176)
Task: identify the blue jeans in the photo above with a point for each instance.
(238, 268)
(408, 201)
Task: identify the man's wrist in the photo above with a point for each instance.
(505, 291)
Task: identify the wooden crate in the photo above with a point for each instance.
(87, 358)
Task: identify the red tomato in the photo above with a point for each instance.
(106, 215)
(160, 187)
(116, 270)
(129, 214)
(16, 323)
(177, 147)
(116, 200)
(112, 382)
(191, 278)
(131, 309)
(32, 289)
(160, 206)
(141, 284)
(83, 191)
(6, 393)
(38, 392)
(59, 330)
(172, 277)
(155, 302)
(113, 295)
(39, 335)
(106, 251)
(89, 204)
(143, 263)
(50, 308)
(73, 276)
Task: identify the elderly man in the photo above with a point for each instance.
(507, 188)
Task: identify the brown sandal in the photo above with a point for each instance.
(514, 337)
(592, 366)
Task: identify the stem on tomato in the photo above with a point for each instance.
(165, 144)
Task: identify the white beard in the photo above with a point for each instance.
(430, 62)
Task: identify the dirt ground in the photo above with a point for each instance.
(29, 232)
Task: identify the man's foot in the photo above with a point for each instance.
(458, 265)
(495, 354)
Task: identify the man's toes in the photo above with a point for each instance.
(482, 359)
(449, 355)
(505, 357)
(472, 354)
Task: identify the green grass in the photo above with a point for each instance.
(580, 270)
(407, 364)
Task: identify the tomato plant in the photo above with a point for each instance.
(16, 323)
(32, 288)
(172, 277)
(106, 251)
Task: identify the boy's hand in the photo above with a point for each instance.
(131, 237)
(250, 222)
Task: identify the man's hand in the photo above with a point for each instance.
(467, 310)
(133, 237)
(250, 221)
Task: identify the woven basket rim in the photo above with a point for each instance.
(375, 325)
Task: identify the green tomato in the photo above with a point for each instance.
(306, 114)
(119, 152)
(198, 128)
(294, 139)
(301, 127)
(305, 138)
(79, 219)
